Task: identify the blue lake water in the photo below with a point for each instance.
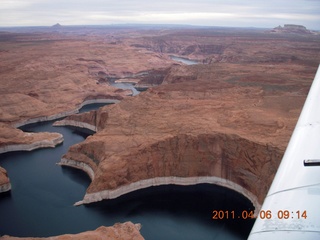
(41, 201)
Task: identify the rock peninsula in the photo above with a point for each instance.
(124, 231)
(23, 141)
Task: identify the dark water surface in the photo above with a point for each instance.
(41, 201)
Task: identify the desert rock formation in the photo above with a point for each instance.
(40, 82)
(251, 99)
(227, 121)
(218, 45)
(13, 139)
(124, 231)
(291, 28)
(203, 121)
(4, 181)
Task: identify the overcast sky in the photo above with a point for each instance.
(242, 13)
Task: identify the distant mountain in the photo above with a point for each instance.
(292, 28)
(57, 25)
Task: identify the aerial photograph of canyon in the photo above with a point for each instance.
(148, 120)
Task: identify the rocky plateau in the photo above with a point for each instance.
(48, 75)
(225, 121)
(201, 122)
(126, 230)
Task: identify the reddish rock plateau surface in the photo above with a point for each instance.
(48, 75)
(119, 231)
(227, 121)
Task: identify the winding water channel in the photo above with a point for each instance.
(40, 203)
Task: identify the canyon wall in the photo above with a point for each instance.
(226, 122)
(225, 160)
(53, 76)
(47, 76)
(201, 123)
(93, 120)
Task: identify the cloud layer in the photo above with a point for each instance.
(244, 13)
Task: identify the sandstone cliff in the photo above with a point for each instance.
(219, 123)
(234, 162)
(45, 76)
(124, 231)
(204, 121)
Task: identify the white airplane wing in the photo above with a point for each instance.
(291, 209)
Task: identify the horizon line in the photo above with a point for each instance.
(173, 25)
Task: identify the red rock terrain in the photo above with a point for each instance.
(119, 231)
(227, 121)
(40, 75)
(214, 45)
(45, 76)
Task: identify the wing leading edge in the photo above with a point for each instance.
(291, 209)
